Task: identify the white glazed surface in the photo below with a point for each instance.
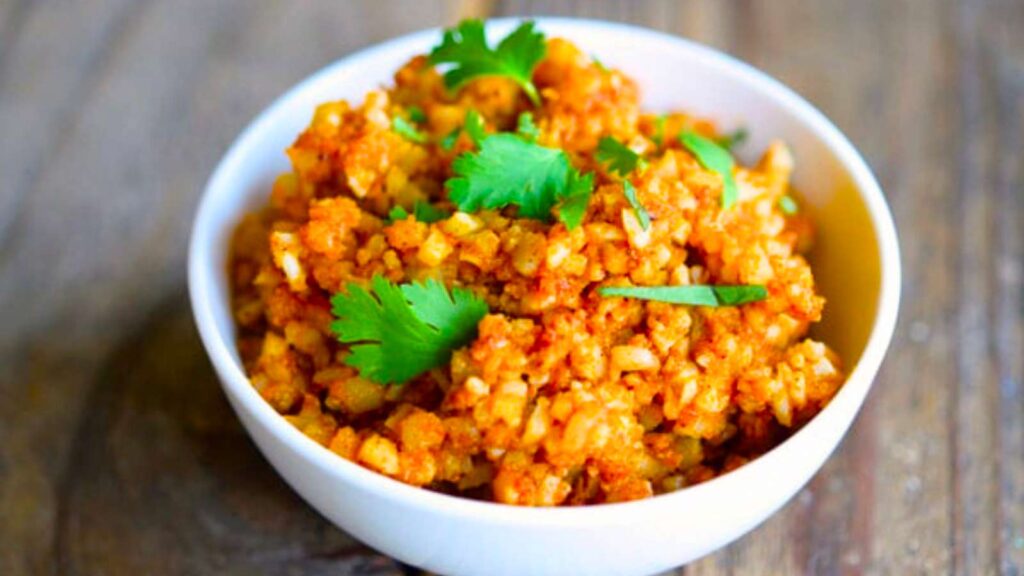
(450, 535)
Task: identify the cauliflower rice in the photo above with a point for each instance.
(564, 397)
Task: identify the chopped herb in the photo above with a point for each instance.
(713, 157)
(416, 114)
(659, 130)
(508, 170)
(474, 126)
(733, 139)
(403, 128)
(465, 49)
(448, 142)
(574, 202)
(693, 295)
(422, 211)
(397, 213)
(788, 205)
(641, 213)
(427, 212)
(600, 65)
(620, 159)
(618, 156)
(526, 128)
(400, 331)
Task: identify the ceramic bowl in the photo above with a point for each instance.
(856, 263)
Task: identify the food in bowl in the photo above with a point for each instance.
(500, 278)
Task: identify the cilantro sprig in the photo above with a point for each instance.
(509, 171)
(422, 211)
(641, 213)
(405, 129)
(465, 49)
(788, 205)
(715, 158)
(659, 130)
(416, 114)
(574, 199)
(620, 159)
(526, 128)
(397, 332)
(693, 295)
(473, 125)
(733, 139)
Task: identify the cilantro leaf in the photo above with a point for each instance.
(622, 160)
(641, 213)
(618, 156)
(788, 205)
(659, 130)
(732, 139)
(474, 126)
(400, 331)
(454, 315)
(526, 128)
(715, 158)
(693, 295)
(427, 212)
(398, 213)
(574, 202)
(508, 170)
(448, 142)
(465, 48)
(403, 128)
(416, 114)
(422, 211)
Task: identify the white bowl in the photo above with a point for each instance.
(856, 262)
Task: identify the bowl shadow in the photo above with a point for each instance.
(164, 480)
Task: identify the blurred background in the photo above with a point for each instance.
(119, 454)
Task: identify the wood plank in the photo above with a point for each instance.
(975, 435)
(911, 529)
(990, 451)
(138, 103)
(121, 455)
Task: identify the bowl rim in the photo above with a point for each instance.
(236, 384)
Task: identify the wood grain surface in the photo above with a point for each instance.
(119, 454)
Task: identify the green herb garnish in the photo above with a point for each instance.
(693, 295)
(403, 128)
(400, 331)
(508, 170)
(788, 205)
(733, 139)
(526, 128)
(641, 213)
(715, 158)
(416, 114)
(474, 126)
(422, 211)
(448, 142)
(574, 202)
(600, 65)
(618, 157)
(659, 130)
(465, 49)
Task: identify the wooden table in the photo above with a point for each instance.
(119, 454)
